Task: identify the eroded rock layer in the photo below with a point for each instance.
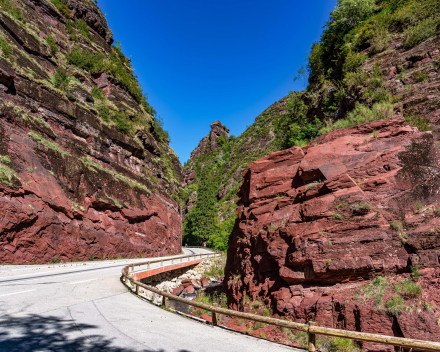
(322, 227)
(83, 173)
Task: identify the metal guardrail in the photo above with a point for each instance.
(311, 329)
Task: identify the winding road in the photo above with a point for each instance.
(84, 307)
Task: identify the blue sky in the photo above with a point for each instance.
(201, 61)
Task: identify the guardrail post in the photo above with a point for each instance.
(137, 289)
(214, 316)
(172, 261)
(311, 338)
(161, 262)
(132, 269)
(148, 265)
(164, 301)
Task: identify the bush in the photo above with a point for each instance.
(61, 79)
(411, 289)
(395, 305)
(52, 44)
(5, 47)
(97, 93)
(361, 114)
(80, 26)
(396, 226)
(9, 7)
(84, 59)
(424, 30)
(353, 61)
(337, 216)
(339, 344)
(62, 8)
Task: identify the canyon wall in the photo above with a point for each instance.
(85, 168)
(331, 232)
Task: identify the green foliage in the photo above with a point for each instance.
(85, 59)
(7, 175)
(361, 114)
(415, 272)
(52, 44)
(61, 79)
(395, 305)
(339, 206)
(97, 93)
(55, 260)
(62, 8)
(47, 143)
(337, 216)
(410, 289)
(8, 6)
(159, 133)
(200, 222)
(353, 61)
(295, 129)
(396, 226)
(339, 344)
(78, 26)
(5, 47)
(422, 31)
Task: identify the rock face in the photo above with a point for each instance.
(74, 185)
(316, 225)
(210, 142)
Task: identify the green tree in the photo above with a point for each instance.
(200, 223)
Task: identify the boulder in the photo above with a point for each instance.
(204, 282)
(189, 289)
(177, 291)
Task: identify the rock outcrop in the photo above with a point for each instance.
(84, 172)
(330, 233)
(210, 142)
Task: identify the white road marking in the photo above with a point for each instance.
(16, 293)
(79, 282)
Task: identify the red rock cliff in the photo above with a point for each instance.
(76, 184)
(330, 233)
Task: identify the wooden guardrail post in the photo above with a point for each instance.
(311, 338)
(214, 316)
(132, 269)
(164, 301)
(148, 265)
(161, 262)
(137, 289)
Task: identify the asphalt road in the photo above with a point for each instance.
(84, 307)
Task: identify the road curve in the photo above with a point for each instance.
(84, 307)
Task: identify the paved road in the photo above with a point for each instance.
(84, 307)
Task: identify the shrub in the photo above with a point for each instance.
(411, 289)
(415, 272)
(341, 206)
(361, 114)
(337, 216)
(396, 226)
(7, 175)
(84, 59)
(422, 123)
(61, 79)
(62, 8)
(80, 26)
(380, 41)
(418, 206)
(395, 305)
(97, 93)
(5, 47)
(422, 31)
(9, 7)
(266, 312)
(437, 212)
(421, 76)
(353, 61)
(339, 344)
(361, 208)
(52, 44)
